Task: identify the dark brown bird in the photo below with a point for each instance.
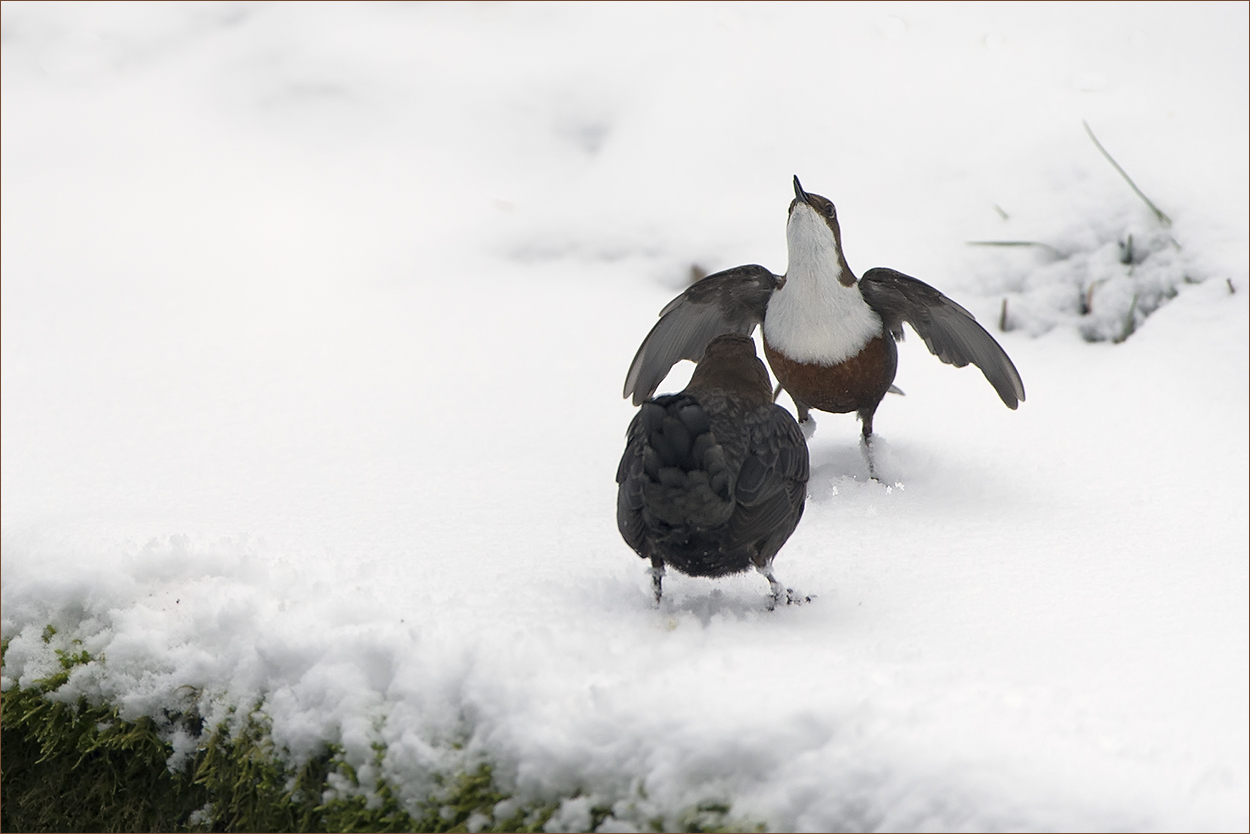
(713, 479)
(829, 338)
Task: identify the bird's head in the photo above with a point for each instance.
(730, 365)
(813, 237)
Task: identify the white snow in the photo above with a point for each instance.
(314, 322)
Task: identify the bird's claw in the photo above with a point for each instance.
(788, 598)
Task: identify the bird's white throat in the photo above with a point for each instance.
(815, 317)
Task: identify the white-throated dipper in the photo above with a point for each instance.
(713, 479)
(829, 338)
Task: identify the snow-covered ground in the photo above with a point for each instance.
(315, 320)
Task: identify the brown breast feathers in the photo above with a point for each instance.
(856, 383)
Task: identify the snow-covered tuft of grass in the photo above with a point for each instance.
(1099, 269)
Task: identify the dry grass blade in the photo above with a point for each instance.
(1163, 218)
(1036, 243)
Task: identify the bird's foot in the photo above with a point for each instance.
(779, 594)
(788, 597)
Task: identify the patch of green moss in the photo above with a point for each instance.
(79, 767)
(468, 794)
(247, 787)
(712, 817)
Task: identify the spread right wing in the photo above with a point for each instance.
(949, 331)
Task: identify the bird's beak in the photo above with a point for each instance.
(799, 193)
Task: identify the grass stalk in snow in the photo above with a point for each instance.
(1164, 220)
(1013, 243)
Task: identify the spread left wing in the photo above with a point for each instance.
(733, 301)
(950, 332)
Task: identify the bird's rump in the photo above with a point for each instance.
(709, 487)
(687, 482)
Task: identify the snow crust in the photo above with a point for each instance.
(313, 325)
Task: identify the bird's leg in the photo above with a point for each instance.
(866, 445)
(657, 578)
(805, 413)
(865, 417)
(806, 423)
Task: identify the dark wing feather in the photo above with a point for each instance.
(733, 301)
(772, 483)
(629, 487)
(950, 331)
